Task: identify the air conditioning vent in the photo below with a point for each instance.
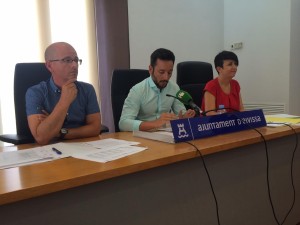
(267, 108)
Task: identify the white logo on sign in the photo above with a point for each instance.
(180, 95)
(181, 131)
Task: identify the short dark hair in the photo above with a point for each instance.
(225, 55)
(163, 54)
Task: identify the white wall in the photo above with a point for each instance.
(192, 29)
(264, 29)
(199, 29)
(295, 58)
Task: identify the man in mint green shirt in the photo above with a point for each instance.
(147, 107)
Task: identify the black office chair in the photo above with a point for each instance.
(122, 81)
(26, 75)
(192, 77)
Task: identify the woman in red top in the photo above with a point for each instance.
(223, 90)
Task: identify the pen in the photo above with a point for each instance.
(57, 151)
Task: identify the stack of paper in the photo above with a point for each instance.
(160, 135)
(104, 150)
(29, 156)
(100, 151)
(281, 119)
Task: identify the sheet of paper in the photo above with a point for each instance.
(28, 156)
(99, 151)
(281, 119)
(71, 148)
(105, 155)
(110, 143)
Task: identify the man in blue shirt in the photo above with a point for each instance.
(62, 107)
(147, 107)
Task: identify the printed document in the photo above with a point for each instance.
(99, 151)
(103, 150)
(28, 156)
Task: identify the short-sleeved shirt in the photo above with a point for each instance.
(231, 100)
(45, 96)
(146, 102)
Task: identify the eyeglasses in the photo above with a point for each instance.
(68, 60)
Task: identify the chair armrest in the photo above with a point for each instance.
(103, 129)
(16, 139)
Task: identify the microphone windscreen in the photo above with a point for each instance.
(184, 96)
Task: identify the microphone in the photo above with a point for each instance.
(187, 99)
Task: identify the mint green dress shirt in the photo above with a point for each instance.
(146, 102)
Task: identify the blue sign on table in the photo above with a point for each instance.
(199, 127)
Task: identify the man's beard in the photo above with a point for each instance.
(162, 84)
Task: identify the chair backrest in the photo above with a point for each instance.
(26, 75)
(192, 77)
(122, 81)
